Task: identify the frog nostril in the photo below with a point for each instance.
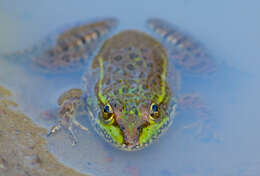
(139, 128)
(122, 128)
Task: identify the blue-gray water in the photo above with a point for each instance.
(230, 31)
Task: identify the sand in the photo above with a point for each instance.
(23, 148)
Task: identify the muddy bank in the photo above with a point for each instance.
(22, 145)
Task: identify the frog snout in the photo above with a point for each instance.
(131, 136)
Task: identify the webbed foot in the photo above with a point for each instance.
(69, 102)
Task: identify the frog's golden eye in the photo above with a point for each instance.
(108, 113)
(154, 112)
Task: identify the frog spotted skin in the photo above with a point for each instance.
(132, 77)
(130, 86)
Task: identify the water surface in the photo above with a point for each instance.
(228, 145)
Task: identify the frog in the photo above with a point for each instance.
(131, 79)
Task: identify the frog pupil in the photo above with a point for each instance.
(106, 109)
(155, 108)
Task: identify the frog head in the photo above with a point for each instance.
(136, 124)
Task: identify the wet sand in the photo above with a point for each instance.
(23, 148)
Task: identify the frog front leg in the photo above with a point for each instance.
(69, 104)
(182, 49)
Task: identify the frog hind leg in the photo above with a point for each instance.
(66, 50)
(69, 102)
(181, 48)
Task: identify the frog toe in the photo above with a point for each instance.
(54, 130)
(69, 103)
(82, 127)
(72, 135)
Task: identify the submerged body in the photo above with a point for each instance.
(130, 86)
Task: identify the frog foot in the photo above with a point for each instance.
(69, 103)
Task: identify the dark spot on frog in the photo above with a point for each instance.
(150, 65)
(140, 62)
(118, 58)
(135, 110)
(141, 75)
(133, 55)
(130, 67)
(118, 70)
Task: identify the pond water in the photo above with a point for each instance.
(230, 31)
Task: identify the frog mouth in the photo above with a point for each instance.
(134, 146)
(132, 143)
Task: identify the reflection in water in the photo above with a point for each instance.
(228, 146)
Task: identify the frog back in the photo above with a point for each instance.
(132, 63)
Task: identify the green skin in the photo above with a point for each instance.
(132, 69)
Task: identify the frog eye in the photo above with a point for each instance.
(108, 114)
(154, 112)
